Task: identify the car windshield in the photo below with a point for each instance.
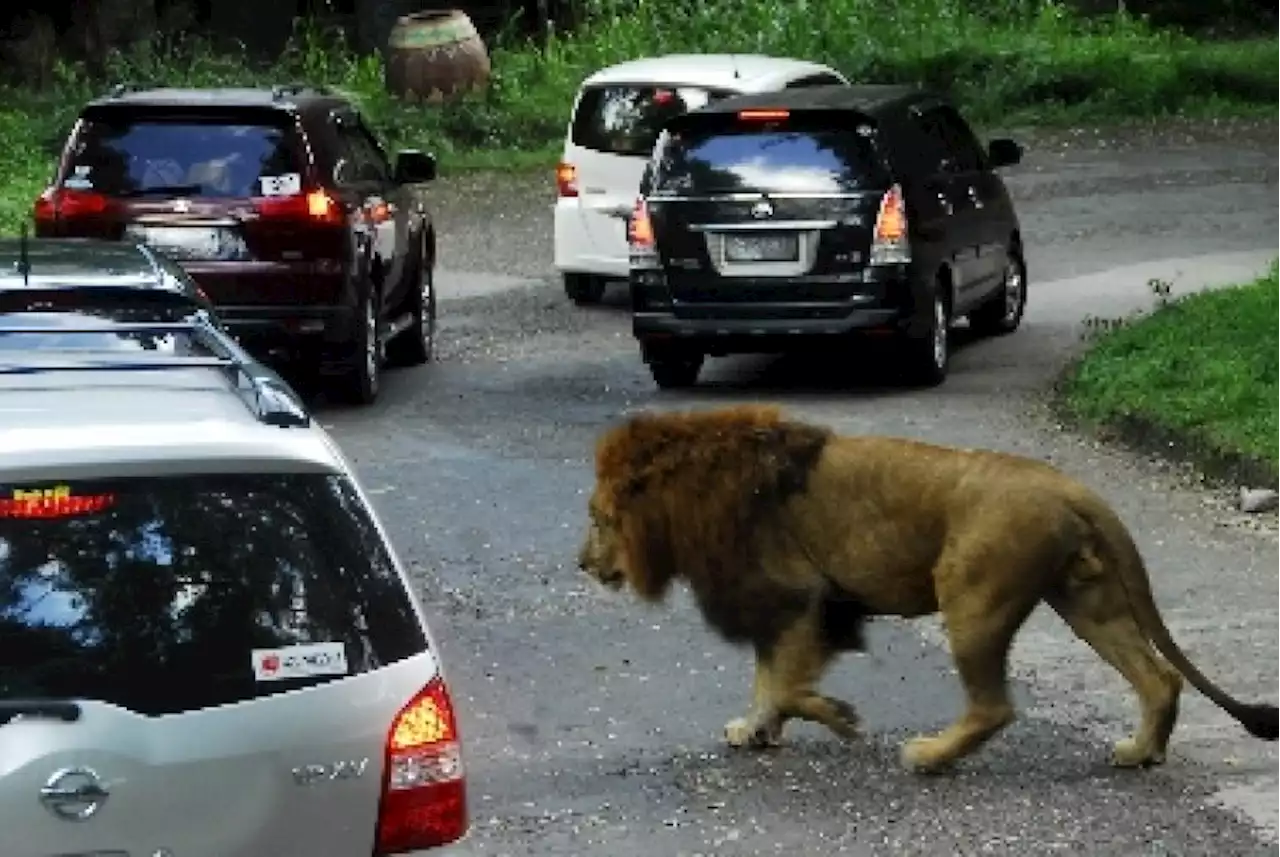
(165, 595)
(797, 158)
(625, 120)
(129, 155)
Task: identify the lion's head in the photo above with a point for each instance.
(601, 555)
(685, 493)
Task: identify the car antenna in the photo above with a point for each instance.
(733, 61)
(24, 258)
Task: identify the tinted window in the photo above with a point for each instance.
(625, 120)
(362, 158)
(227, 157)
(815, 159)
(820, 79)
(154, 594)
(951, 140)
(160, 343)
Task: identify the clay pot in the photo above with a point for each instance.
(435, 55)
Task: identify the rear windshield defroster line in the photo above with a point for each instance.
(154, 593)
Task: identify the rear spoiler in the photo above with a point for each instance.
(717, 115)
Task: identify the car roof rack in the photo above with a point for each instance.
(280, 90)
(270, 399)
(119, 89)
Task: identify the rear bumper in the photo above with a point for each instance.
(883, 302)
(290, 325)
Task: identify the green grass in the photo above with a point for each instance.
(1009, 62)
(1199, 371)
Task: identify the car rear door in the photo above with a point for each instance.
(365, 183)
(749, 210)
(958, 183)
(611, 137)
(219, 663)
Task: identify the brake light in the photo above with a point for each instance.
(56, 502)
(316, 206)
(566, 179)
(640, 227)
(68, 203)
(763, 115)
(424, 798)
(889, 242)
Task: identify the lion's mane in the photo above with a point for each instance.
(692, 494)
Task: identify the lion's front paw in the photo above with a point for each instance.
(742, 732)
(1127, 753)
(925, 755)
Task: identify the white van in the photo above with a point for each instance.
(612, 128)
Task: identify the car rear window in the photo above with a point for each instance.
(799, 157)
(126, 154)
(625, 120)
(165, 595)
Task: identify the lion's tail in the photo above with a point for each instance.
(1120, 553)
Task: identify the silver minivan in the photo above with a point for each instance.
(208, 647)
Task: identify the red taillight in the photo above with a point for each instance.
(640, 227)
(889, 242)
(763, 115)
(566, 179)
(68, 204)
(424, 796)
(315, 206)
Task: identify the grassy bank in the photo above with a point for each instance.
(1196, 377)
(1007, 61)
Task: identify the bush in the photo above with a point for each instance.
(1199, 374)
(1006, 61)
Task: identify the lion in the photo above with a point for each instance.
(791, 536)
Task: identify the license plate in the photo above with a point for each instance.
(202, 243)
(778, 247)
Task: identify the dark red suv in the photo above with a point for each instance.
(281, 204)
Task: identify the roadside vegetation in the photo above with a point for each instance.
(1196, 377)
(1009, 62)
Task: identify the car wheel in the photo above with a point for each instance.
(364, 375)
(584, 289)
(674, 371)
(1002, 313)
(928, 357)
(416, 343)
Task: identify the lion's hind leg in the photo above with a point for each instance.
(982, 614)
(1097, 609)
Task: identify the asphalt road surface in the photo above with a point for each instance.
(593, 726)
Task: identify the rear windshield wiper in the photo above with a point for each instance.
(43, 709)
(164, 190)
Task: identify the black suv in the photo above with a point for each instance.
(772, 218)
(282, 206)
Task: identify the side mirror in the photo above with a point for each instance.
(1003, 152)
(415, 167)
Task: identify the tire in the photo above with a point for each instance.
(1002, 313)
(415, 344)
(584, 289)
(675, 371)
(363, 378)
(927, 358)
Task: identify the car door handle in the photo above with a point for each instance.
(975, 198)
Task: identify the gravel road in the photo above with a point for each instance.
(593, 725)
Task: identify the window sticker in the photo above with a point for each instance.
(288, 184)
(79, 178)
(302, 661)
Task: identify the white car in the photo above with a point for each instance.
(613, 126)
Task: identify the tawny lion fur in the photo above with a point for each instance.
(789, 535)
